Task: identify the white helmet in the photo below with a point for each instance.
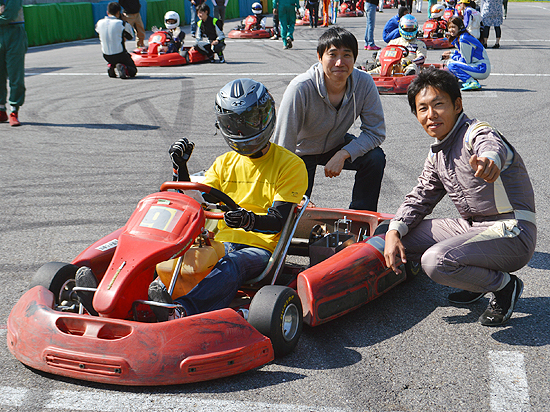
(171, 15)
(257, 8)
(437, 10)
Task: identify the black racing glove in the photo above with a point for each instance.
(240, 218)
(180, 153)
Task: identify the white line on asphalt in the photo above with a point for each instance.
(132, 402)
(509, 389)
(217, 74)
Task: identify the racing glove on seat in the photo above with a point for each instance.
(180, 152)
(273, 222)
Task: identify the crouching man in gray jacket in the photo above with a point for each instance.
(487, 181)
(320, 106)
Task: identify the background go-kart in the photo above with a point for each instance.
(90, 147)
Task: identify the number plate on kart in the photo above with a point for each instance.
(161, 218)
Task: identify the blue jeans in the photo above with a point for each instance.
(217, 290)
(368, 179)
(370, 13)
(193, 19)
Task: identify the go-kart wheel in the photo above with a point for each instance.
(58, 277)
(276, 312)
(185, 55)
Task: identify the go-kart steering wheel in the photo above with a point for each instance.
(404, 50)
(217, 194)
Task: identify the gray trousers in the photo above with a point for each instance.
(471, 256)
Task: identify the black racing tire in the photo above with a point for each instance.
(382, 228)
(58, 277)
(276, 312)
(185, 55)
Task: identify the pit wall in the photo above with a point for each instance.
(48, 23)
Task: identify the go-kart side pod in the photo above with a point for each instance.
(250, 34)
(345, 281)
(196, 348)
(440, 43)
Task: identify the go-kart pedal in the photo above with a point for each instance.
(85, 278)
(122, 71)
(158, 293)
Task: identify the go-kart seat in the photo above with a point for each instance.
(279, 254)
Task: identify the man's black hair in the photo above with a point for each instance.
(402, 11)
(337, 37)
(204, 7)
(442, 80)
(113, 8)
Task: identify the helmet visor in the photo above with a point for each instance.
(247, 123)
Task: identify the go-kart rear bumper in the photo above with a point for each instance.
(197, 348)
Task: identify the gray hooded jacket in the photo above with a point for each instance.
(308, 124)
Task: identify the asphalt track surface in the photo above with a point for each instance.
(90, 147)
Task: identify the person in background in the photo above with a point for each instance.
(286, 10)
(172, 24)
(370, 13)
(13, 46)
(486, 179)
(491, 16)
(313, 7)
(470, 16)
(193, 15)
(113, 33)
(132, 16)
(219, 9)
(209, 28)
(469, 61)
(391, 28)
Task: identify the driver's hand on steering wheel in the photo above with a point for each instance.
(240, 218)
(180, 152)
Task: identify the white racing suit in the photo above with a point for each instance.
(496, 233)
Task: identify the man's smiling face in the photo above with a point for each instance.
(337, 63)
(436, 112)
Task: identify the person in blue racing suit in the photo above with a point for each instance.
(470, 62)
(391, 28)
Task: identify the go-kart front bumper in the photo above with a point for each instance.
(197, 348)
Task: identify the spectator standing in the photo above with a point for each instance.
(431, 3)
(313, 7)
(193, 17)
(13, 46)
(113, 33)
(287, 18)
(370, 13)
(132, 16)
(491, 16)
(276, 26)
(219, 9)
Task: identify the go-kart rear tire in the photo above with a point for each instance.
(276, 312)
(413, 269)
(185, 55)
(58, 277)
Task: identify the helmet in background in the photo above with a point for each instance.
(245, 112)
(257, 8)
(408, 27)
(171, 15)
(437, 11)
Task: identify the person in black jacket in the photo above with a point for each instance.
(211, 28)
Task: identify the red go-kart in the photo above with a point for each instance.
(391, 79)
(351, 8)
(248, 30)
(433, 35)
(118, 340)
(155, 54)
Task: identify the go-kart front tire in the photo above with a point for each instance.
(276, 312)
(58, 277)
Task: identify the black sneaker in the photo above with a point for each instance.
(122, 71)
(158, 293)
(111, 70)
(84, 277)
(501, 306)
(289, 43)
(464, 297)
